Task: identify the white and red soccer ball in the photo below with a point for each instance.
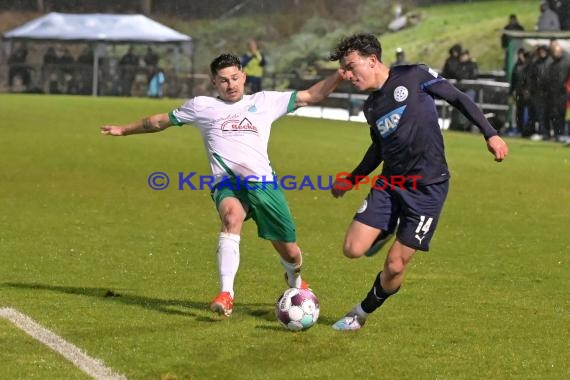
(297, 309)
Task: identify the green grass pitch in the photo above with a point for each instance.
(126, 273)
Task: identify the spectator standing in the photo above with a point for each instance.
(82, 82)
(156, 83)
(538, 93)
(548, 19)
(50, 57)
(400, 58)
(468, 68)
(67, 64)
(512, 25)
(253, 62)
(66, 61)
(128, 64)
(151, 62)
(451, 65)
(151, 58)
(17, 67)
(557, 74)
(564, 15)
(49, 70)
(519, 92)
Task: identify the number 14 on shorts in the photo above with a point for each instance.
(423, 227)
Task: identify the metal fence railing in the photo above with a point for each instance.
(76, 79)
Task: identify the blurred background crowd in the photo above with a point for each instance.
(528, 96)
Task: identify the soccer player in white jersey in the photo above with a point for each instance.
(235, 128)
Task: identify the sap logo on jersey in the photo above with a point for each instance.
(388, 123)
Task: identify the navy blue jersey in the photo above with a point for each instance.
(404, 124)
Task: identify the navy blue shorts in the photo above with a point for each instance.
(418, 210)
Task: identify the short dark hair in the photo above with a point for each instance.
(223, 61)
(456, 48)
(365, 44)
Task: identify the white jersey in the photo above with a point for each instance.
(236, 135)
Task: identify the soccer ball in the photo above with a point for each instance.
(297, 309)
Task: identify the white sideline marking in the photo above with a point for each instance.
(91, 366)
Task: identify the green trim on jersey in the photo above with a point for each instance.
(224, 165)
(173, 119)
(291, 105)
(265, 204)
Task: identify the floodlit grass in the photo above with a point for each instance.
(126, 273)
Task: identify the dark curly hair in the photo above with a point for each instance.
(223, 61)
(365, 44)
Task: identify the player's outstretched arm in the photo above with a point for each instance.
(319, 91)
(458, 99)
(150, 124)
(498, 147)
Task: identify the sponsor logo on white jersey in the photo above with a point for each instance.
(239, 126)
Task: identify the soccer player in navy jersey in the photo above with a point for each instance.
(408, 197)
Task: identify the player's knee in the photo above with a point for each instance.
(351, 250)
(232, 221)
(395, 266)
(294, 253)
(290, 252)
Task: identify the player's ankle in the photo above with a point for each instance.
(360, 312)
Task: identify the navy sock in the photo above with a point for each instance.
(376, 296)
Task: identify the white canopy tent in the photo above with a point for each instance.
(99, 29)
